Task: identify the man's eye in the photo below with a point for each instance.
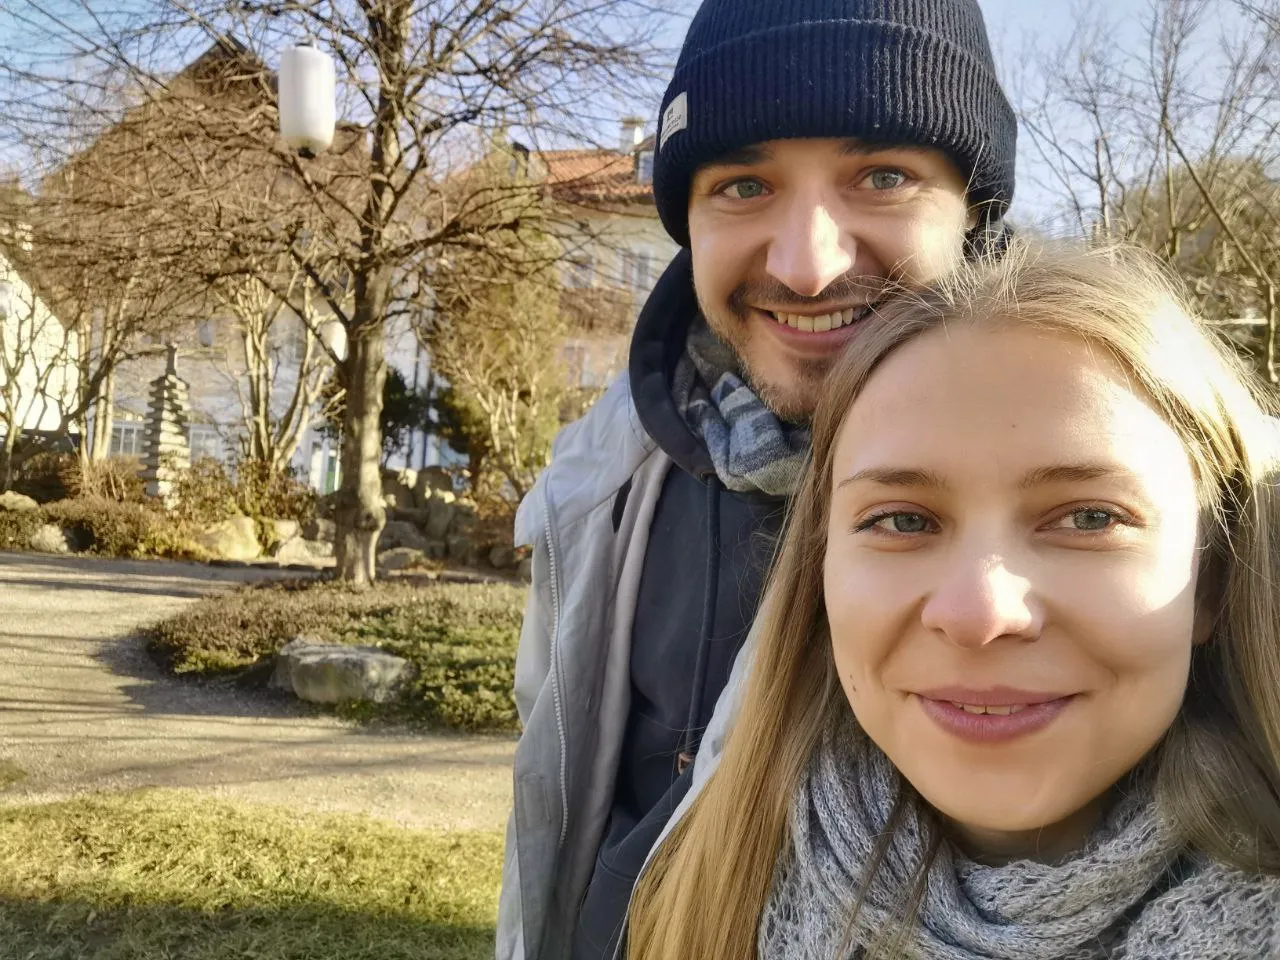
(744, 190)
(885, 179)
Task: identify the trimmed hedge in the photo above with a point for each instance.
(461, 638)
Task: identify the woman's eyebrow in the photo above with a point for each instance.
(1073, 473)
(895, 477)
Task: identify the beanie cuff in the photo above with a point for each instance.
(873, 80)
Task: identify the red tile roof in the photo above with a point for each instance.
(594, 175)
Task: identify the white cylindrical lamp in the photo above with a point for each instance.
(308, 105)
(334, 336)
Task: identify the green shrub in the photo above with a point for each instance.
(115, 478)
(43, 476)
(265, 493)
(461, 638)
(121, 529)
(204, 493)
(17, 528)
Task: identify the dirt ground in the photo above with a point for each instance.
(82, 708)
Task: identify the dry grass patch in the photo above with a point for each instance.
(171, 874)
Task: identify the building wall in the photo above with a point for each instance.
(43, 354)
(621, 255)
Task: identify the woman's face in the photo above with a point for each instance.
(1010, 578)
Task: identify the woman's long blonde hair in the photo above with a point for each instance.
(1218, 768)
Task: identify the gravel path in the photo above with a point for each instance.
(83, 709)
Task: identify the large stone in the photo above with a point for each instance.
(436, 550)
(327, 673)
(303, 551)
(49, 539)
(398, 488)
(319, 528)
(16, 502)
(432, 480)
(462, 550)
(234, 539)
(403, 558)
(503, 558)
(525, 570)
(397, 533)
(413, 515)
(439, 515)
(286, 529)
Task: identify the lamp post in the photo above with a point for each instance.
(307, 100)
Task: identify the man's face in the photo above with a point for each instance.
(794, 240)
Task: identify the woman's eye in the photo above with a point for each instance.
(744, 190)
(899, 522)
(885, 179)
(1089, 520)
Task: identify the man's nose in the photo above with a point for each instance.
(979, 600)
(810, 249)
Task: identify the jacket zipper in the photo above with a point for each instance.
(555, 670)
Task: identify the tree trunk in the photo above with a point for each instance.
(103, 418)
(6, 455)
(359, 512)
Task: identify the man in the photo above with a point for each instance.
(812, 154)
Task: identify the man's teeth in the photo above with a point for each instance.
(828, 321)
(997, 711)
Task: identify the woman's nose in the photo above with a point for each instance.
(979, 600)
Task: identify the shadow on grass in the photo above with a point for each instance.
(80, 930)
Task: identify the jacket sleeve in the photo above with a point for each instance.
(533, 659)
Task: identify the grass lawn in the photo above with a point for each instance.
(174, 875)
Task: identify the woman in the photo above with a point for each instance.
(1017, 693)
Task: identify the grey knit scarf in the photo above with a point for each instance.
(1128, 894)
(751, 449)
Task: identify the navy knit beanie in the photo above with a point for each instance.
(914, 72)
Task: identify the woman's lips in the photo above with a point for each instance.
(1006, 716)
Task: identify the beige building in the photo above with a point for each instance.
(620, 249)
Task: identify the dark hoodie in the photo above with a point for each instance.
(709, 551)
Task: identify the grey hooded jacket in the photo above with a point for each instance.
(573, 682)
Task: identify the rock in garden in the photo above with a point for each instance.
(436, 550)
(525, 570)
(16, 502)
(432, 480)
(503, 558)
(286, 529)
(49, 539)
(319, 528)
(398, 488)
(402, 558)
(327, 673)
(303, 551)
(234, 539)
(439, 516)
(397, 533)
(462, 549)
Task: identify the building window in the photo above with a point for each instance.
(638, 270)
(126, 440)
(204, 441)
(576, 363)
(580, 272)
(644, 166)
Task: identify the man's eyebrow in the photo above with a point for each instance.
(896, 477)
(742, 157)
(853, 147)
(1073, 473)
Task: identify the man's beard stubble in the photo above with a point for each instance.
(794, 402)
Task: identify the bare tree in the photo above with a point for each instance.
(1175, 145)
(420, 82)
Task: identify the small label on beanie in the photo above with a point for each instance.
(675, 118)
